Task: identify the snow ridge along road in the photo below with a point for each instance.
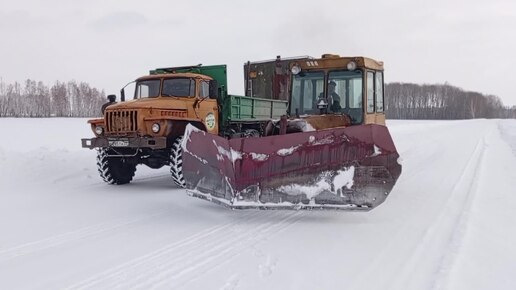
(447, 224)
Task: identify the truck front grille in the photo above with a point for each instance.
(121, 121)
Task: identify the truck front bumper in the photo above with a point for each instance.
(125, 142)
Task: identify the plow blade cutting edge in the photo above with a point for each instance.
(352, 168)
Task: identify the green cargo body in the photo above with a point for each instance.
(242, 109)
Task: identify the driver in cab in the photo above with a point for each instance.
(333, 98)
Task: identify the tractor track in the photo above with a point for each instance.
(444, 236)
(185, 260)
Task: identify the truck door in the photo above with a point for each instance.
(208, 109)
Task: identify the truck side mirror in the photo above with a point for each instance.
(111, 98)
(214, 89)
(122, 92)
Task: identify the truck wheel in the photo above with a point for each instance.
(176, 163)
(114, 170)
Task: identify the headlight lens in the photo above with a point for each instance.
(295, 69)
(352, 65)
(99, 130)
(155, 127)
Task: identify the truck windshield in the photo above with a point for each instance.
(343, 93)
(147, 89)
(347, 85)
(178, 87)
(306, 87)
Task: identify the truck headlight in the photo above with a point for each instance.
(155, 127)
(295, 69)
(99, 130)
(352, 65)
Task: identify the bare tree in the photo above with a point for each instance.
(413, 101)
(35, 99)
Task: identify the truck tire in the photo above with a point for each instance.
(114, 170)
(176, 163)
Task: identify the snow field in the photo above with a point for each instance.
(447, 224)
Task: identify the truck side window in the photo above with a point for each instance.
(370, 92)
(204, 89)
(147, 89)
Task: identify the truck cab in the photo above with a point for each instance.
(162, 105)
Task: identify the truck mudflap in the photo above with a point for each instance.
(352, 168)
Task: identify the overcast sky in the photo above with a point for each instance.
(469, 44)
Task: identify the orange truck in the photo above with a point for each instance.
(148, 129)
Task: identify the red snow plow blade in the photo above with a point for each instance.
(352, 168)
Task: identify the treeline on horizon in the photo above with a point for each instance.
(402, 101)
(62, 99)
(441, 102)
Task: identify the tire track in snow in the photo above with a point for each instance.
(83, 233)
(145, 177)
(183, 261)
(221, 254)
(118, 272)
(444, 233)
(72, 236)
(447, 261)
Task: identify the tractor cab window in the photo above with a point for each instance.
(379, 91)
(178, 87)
(347, 87)
(147, 89)
(375, 94)
(306, 87)
(370, 92)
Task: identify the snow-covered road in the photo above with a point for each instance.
(447, 224)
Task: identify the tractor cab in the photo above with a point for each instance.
(330, 91)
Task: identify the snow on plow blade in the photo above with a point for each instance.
(351, 168)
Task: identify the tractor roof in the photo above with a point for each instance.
(336, 61)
